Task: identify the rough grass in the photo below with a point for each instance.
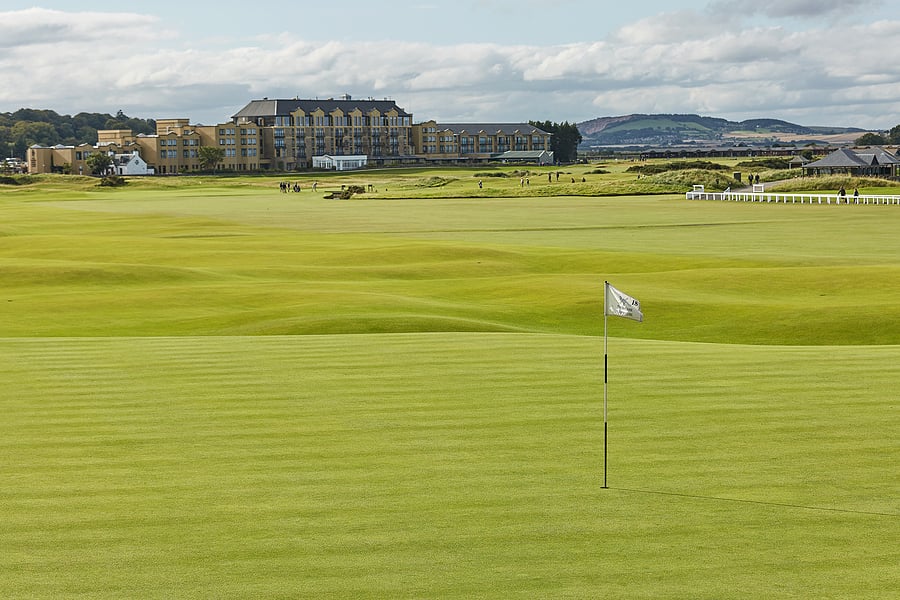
(831, 183)
(684, 180)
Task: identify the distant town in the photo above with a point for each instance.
(287, 135)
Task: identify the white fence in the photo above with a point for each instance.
(698, 193)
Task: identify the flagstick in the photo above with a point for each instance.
(605, 360)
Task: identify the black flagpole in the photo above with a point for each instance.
(605, 370)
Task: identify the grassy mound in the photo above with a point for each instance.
(652, 168)
(831, 183)
(773, 163)
(684, 180)
(434, 182)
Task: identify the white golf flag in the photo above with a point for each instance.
(621, 305)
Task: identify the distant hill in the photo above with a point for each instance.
(662, 129)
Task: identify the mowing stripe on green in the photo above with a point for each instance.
(445, 465)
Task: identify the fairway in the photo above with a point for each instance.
(219, 390)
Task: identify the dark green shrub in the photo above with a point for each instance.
(112, 181)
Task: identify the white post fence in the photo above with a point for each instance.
(698, 193)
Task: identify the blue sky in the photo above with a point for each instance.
(814, 62)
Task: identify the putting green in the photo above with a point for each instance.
(445, 465)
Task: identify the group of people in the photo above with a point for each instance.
(526, 181)
(287, 186)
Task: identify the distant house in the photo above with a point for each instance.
(130, 164)
(798, 162)
(869, 162)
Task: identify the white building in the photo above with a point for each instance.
(340, 163)
(131, 164)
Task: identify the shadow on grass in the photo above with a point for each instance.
(759, 502)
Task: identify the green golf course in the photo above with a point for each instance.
(212, 389)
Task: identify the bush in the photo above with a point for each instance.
(112, 181)
(432, 182)
(773, 163)
(683, 165)
(346, 192)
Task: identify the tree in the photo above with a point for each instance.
(210, 157)
(35, 132)
(565, 140)
(99, 162)
(894, 135)
(870, 139)
(26, 127)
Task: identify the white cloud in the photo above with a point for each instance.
(42, 27)
(809, 9)
(675, 62)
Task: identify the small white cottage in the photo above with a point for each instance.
(131, 164)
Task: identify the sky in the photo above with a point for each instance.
(811, 62)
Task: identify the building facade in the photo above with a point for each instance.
(175, 148)
(297, 130)
(478, 142)
(286, 135)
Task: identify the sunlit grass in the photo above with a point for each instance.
(212, 389)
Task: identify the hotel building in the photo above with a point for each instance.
(286, 135)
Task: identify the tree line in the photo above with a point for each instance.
(27, 127)
(877, 139)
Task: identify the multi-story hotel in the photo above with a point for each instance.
(297, 130)
(290, 135)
